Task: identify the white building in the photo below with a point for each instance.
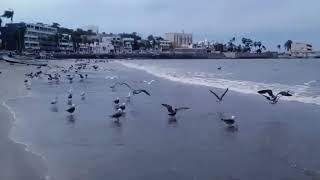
(127, 44)
(65, 43)
(35, 32)
(165, 45)
(179, 40)
(297, 47)
(105, 46)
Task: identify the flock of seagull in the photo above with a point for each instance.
(74, 70)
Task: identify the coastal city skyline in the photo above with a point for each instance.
(219, 21)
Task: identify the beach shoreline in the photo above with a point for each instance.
(17, 161)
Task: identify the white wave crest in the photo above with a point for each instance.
(247, 87)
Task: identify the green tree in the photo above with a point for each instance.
(287, 45)
(248, 43)
(8, 14)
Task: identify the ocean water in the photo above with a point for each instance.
(270, 142)
(301, 76)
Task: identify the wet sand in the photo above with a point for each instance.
(16, 162)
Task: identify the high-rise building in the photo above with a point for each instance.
(179, 40)
(40, 36)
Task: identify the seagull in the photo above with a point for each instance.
(83, 95)
(219, 97)
(219, 68)
(81, 76)
(117, 115)
(55, 100)
(229, 121)
(116, 103)
(274, 98)
(122, 106)
(134, 91)
(71, 109)
(173, 112)
(149, 82)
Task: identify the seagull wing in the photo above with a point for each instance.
(284, 93)
(182, 108)
(268, 91)
(144, 91)
(215, 94)
(125, 84)
(224, 93)
(170, 110)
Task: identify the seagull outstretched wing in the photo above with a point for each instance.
(181, 108)
(170, 109)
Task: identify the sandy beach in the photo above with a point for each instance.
(16, 162)
(269, 141)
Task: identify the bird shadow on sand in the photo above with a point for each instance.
(71, 119)
(69, 102)
(172, 121)
(54, 109)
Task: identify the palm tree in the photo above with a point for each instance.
(287, 45)
(8, 14)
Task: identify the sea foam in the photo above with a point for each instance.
(301, 93)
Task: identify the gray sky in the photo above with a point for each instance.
(271, 21)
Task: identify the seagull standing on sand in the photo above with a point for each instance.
(274, 98)
(55, 100)
(173, 112)
(117, 115)
(71, 109)
(229, 121)
(83, 95)
(116, 103)
(122, 106)
(219, 97)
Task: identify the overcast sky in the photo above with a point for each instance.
(271, 21)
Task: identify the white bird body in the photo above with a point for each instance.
(55, 100)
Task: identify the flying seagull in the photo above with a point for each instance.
(134, 91)
(149, 82)
(173, 112)
(274, 98)
(219, 97)
(229, 121)
(71, 109)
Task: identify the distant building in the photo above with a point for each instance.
(165, 45)
(127, 44)
(179, 40)
(94, 29)
(65, 43)
(105, 46)
(297, 47)
(40, 36)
